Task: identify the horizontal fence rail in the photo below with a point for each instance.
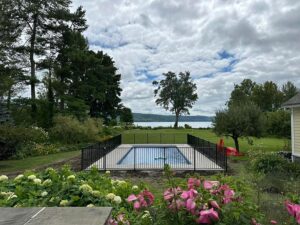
(179, 151)
(214, 152)
(154, 138)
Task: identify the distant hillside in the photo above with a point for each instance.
(141, 117)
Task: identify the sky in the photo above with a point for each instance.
(221, 42)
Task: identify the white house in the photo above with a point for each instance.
(294, 105)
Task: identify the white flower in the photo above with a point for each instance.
(44, 193)
(31, 177)
(146, 215)
(110, 196)
(90, 206)
(19, 177)
(12, 196)
(50, 169)
(107, 172)
(47, 182)
(135, 187)
(37, 181)
(71, 178)
(64, 203)
(85, 188)
(117, 199)
(3, 178)
(121, 182)
(96, 193)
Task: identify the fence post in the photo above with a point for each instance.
(134, 157)
(82, 159)
(194, 159)
(104, 159)
(164, 157)
(217, 155)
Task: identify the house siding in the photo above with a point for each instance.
(296, 128)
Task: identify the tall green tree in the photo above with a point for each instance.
(267, 96)
(126, 116)
(41, 20)
(289, 90)
(176, 93)
(240, 120)
(242, 92)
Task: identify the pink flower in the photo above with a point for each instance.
(170, 193)
(131, 198)
(136, 205)
(144, 199)
(210, 184)
(273, 222)
(214, 204)
(208, 216)
(190, 204)
(189, 194)
(293, 210)
(193, 183)
(254, 222)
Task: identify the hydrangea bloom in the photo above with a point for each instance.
(117, 199)
(85, 188)
(31, 177)
(3, 178)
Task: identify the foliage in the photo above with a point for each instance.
(268, 96)
(273, 163)
(70, 130)
(278, 123)
(126, 116)
(17, 136)
(239, 121)
(176, 93)
(224, 200)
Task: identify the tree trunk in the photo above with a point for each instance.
(32, 68)
(50, 99)
(62, 101)
(236, 142)
(176, 121)
(8, 99)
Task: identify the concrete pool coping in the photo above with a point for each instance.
(201, 163)
(55, 216)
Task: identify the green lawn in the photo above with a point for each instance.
(10, 166)
(262, 144)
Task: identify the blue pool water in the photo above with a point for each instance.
(154, 155)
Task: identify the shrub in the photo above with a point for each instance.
(274, 163)
(15, 136)
(186, 126)
(69, 130)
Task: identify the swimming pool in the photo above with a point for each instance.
(154, 155)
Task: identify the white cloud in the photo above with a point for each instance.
(150, 37)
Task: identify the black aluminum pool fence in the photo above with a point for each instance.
(95, 152)
(141, 158)
(212, 151)
(154, 138)
(111, 155)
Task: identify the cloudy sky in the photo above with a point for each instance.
(221, 42)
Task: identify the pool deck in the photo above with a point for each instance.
(199, 162)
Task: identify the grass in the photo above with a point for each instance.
(266, 144)
(30, 163)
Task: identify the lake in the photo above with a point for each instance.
(171, 124)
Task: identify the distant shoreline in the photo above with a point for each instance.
(141, 117)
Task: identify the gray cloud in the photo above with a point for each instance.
(149, 37)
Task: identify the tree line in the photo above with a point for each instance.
(254, 110)
(42, 47)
